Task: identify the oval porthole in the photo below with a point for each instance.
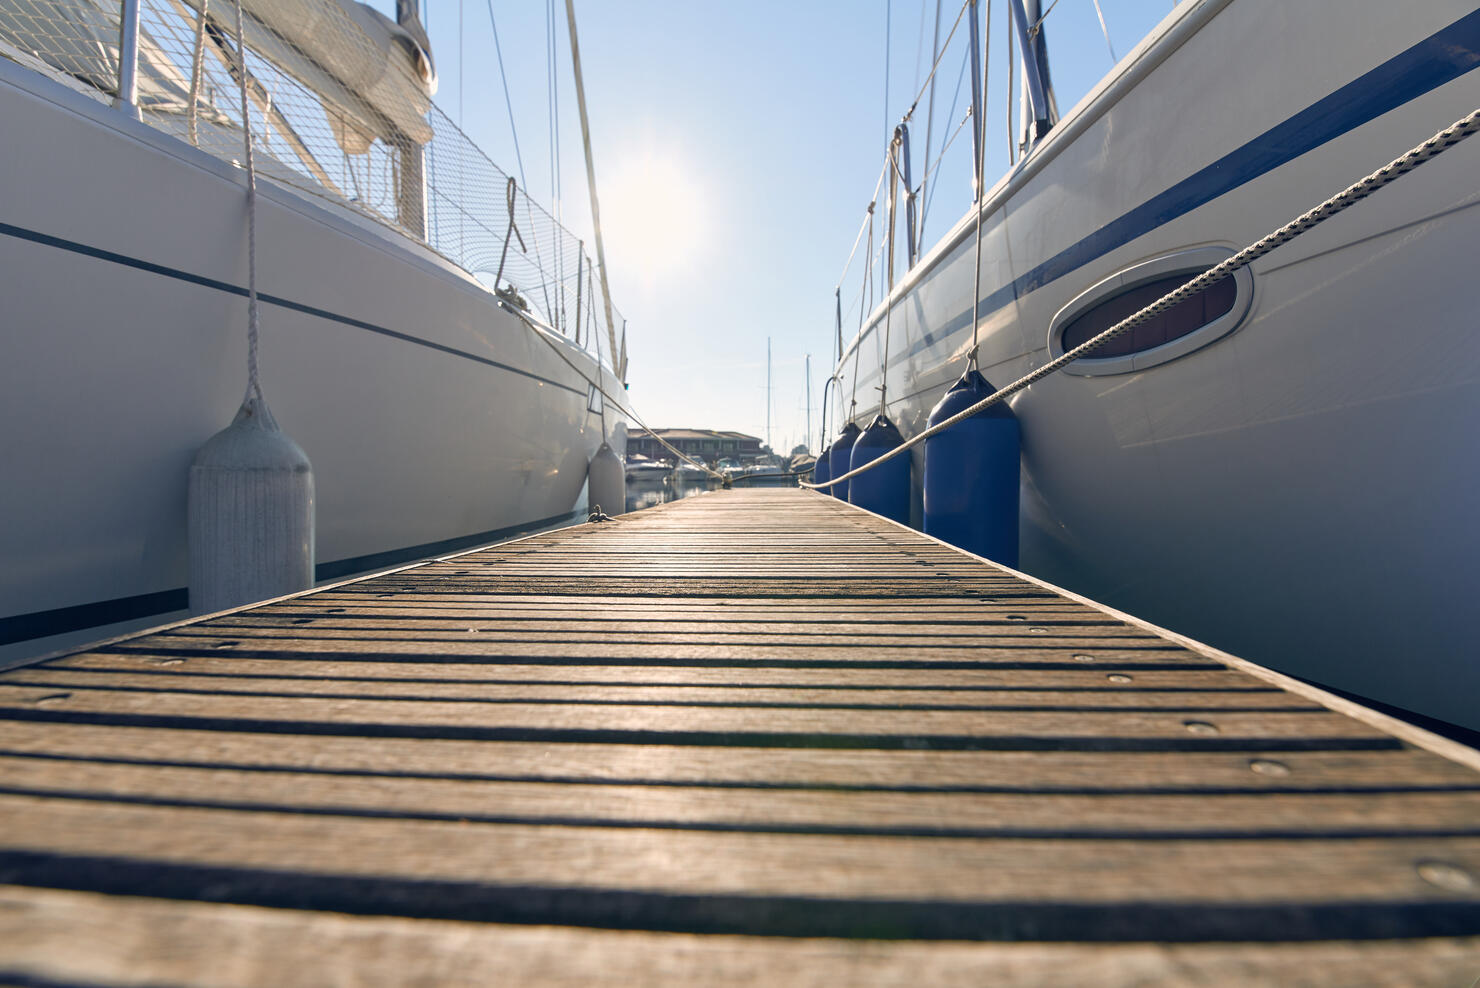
(1194, 323)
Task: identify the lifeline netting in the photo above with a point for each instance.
(341, 99)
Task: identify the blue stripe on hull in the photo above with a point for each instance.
(1439, 59)
(86, 250)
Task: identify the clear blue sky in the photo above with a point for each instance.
(736, 147)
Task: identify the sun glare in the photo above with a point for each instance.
(657, 213)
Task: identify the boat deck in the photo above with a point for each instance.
(750, 736)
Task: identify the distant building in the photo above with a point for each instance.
(701, 444)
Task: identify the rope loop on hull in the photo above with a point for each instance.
(511, 189)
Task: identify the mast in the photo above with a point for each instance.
(929, 125)
(411, 186)
(808, 433)
(606, 295)
(1039, 113)
(978, 133)
(768, 395)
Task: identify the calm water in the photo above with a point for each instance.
(650, 493)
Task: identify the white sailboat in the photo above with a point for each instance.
(1288, 473)
(430, 337)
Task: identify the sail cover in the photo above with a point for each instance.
(374, 77)
(377, 74)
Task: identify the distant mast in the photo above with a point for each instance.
(807, 436)
(768, 396)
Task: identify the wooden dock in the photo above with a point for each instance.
(752, 736)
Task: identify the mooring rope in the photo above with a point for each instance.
(789, 475)
(1391, 172)
(254, 386)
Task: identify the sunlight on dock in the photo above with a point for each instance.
(754, 734)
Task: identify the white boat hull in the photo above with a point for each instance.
(1298, 492)
(433, 417)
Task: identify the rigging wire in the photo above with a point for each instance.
(853, 401)
(460, 5)
(552, 104)
(862, 311)
(1011, 82)
(894, 176)
(598, 376)
(519, 158)
(508, 102)
(935, 53)
(1033, 31)
(461, 181)
(1104, 30)
(980, 127)
(591, 317)
(950, 138)
(888, 31)
(920, 40)
(864, 225)
(960, 15)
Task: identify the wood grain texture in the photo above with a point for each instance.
(919, 769)
(753, 735)
(79, 938)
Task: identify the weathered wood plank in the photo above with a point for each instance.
(766, 883)
(1066, 724)
(1100, 696)
(552, 622)
(761, 712)
(595, 607)
(73, 938)
(861, 812)
(1394, 769)
(1074, 675)
(1027, 649)
(1006, 634)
